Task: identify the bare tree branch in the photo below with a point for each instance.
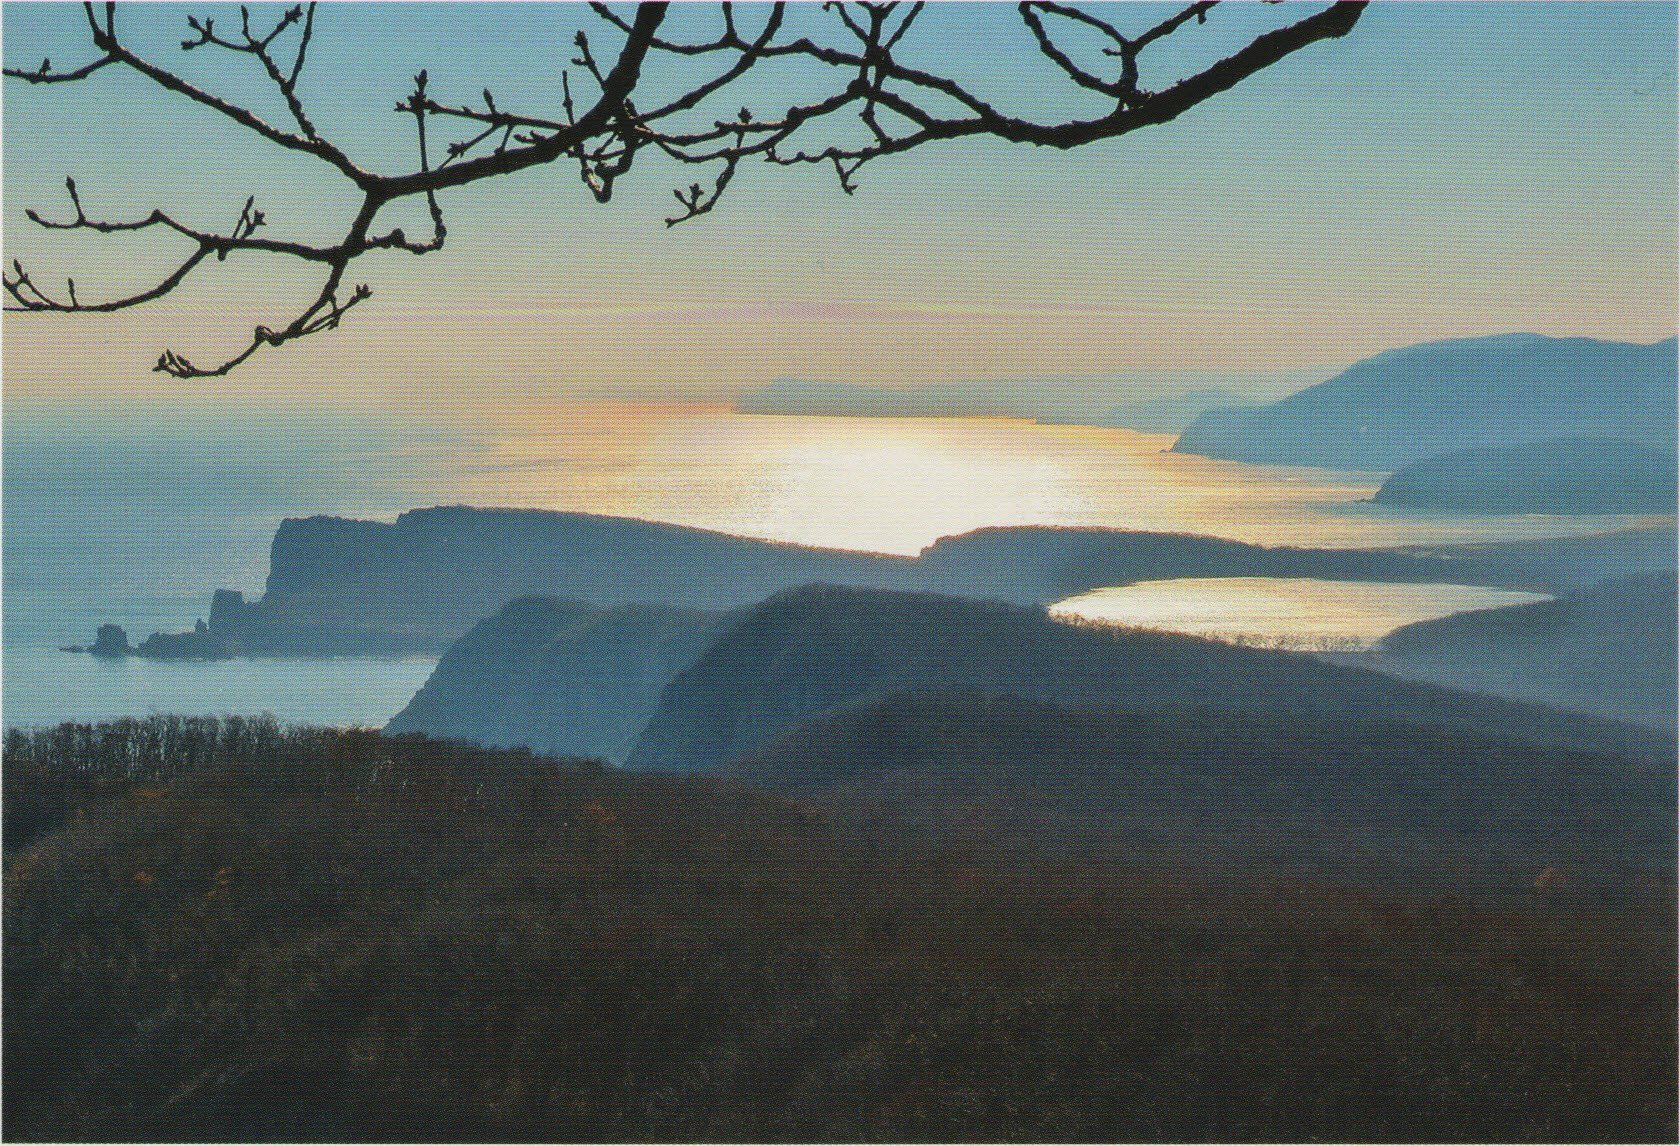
(899, 107)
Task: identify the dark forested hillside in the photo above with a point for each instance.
(1384, 804)
(557, 676)
(226, 931)
(813, 650)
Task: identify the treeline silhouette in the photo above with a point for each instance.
(53, 773)
(230, 930)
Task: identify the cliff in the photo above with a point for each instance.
(340, 587)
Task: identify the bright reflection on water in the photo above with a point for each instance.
(1288, 612)
(132, 513)
(895, 485)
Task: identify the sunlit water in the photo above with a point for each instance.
(895, 485)
(134, 513)
(1282, 612)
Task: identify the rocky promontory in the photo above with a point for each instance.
(201, 644)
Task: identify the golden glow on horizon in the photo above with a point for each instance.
(896, 485)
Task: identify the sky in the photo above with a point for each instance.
(1445, 170)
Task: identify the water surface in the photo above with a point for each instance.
(1283, 612)
(133, 513)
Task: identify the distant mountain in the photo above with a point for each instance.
(1117, 399)
(1172, 414)
(814, 650)
(1611, 650)
(558, 677)
(1560, 475)
(1403, 405)
(1194, 785)
(1554, 565)
(337, 586)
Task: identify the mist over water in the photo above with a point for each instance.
(133, 514)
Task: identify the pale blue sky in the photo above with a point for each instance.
(1446, 169)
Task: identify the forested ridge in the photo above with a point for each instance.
(231, 930)
(808, 651)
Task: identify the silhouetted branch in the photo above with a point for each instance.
(901, 107)
(258, 47)
(45, 75)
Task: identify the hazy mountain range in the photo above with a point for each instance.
(558, 676)
(815, 650)
(1160, 401)
(1402, 405)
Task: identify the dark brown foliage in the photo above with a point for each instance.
(340, 936)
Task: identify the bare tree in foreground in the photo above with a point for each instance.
(890, 106)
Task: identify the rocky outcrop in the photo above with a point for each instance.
(200, 644)
(111, 641)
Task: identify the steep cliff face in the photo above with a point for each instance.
(418, 584)
(1402, 405)
(557, 676)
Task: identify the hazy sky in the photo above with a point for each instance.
(1446, 169)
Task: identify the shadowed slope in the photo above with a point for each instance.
(812, 650)
(557, 676)
(1611, 650)
(1391, 804)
